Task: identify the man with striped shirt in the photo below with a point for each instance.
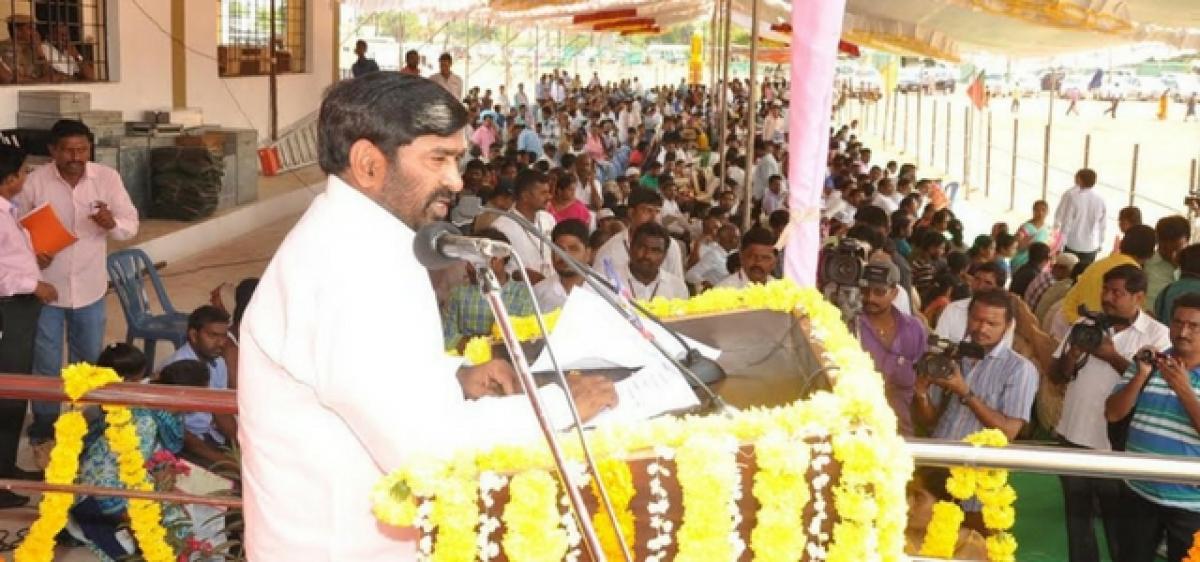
(994, 392)
(1164, 397)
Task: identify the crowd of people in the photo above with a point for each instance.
(1054, 327)
(1057, 310)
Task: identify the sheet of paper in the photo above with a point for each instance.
(647, 393)
(589, 333)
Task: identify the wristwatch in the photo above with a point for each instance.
(966, 397)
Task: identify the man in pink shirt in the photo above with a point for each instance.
(22, 293)
(92, 204)
(485, 136)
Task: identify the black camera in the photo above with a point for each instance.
(938, 361)
(845, 263)
(1088, 336)
(1149, 357)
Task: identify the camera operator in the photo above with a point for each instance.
(995, 392)
(894, 339)
(1090, 374)
(1163, 395)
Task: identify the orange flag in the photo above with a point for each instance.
(977, 93)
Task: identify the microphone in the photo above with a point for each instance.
(440, 245)
(699, 370)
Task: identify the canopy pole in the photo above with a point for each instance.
(725, 95)
(537, 60)
(751, 119)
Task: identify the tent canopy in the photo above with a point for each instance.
(936, 28)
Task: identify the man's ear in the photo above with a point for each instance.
(368, 165)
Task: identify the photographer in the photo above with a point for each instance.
(1161, 393)
(894, 339)
(1090, 373)
(994, 392)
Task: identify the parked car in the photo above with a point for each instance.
(866, 80)
(1181, 85)
(1148, 88)
(1026, 85)
(1074, 82)
(908, 79)
(996, 85)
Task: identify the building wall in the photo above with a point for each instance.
(141, 69)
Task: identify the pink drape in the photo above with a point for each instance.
(817, 26)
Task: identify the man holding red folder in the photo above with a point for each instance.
(22, 293)
(91, 202)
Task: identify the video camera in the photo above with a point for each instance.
(1149, 356)
(938, 361)
(1192, 200)
(1088, 336)
(845, 263)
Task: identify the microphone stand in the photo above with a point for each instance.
(490, 287)
(614, 299)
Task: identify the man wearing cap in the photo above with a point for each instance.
(21, 59)
(1051, 286)
(894, 339)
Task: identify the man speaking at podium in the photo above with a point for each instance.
(343, 374)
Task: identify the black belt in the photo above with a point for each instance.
(19, 298)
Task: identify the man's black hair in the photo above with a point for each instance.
(205, 315)
(388, 109)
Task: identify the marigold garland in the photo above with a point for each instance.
(531, 519)
(782, 493)
(455, 515)
(618, 481)
(875, 464)
(942, 535)
(478, 350)
(995, 495)
(145, 515)
(1193, 554)
(708, 475)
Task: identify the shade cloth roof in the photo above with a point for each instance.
(938, 28)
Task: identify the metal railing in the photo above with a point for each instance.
(1029, 458)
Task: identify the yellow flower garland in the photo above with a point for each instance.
(1193, 554)
(531, 519)
(708, 475)
(781, 489)
(942, 535)
(875, 463)
(618, 481)
(478, 350)
(995, 495)
(145, 515)
(455, 516)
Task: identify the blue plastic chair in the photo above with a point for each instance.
(126, 270)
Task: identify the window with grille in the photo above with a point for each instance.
(53, 41)
(244, 36)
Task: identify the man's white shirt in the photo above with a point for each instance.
(616, 250)
(711, 267)
(1082, 421)
(533, 252)
(666, 285)
(1082, 216)
(952, 324)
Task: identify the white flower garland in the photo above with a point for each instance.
(660, 504)
(489, 482)
(818, 539)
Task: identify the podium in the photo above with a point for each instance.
(809, 469)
